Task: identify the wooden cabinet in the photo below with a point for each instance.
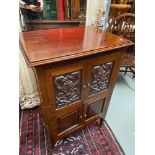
(76, 71)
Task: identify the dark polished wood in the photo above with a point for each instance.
(76, 69)
(118, 9)
(46, 46)
(51, 24)
(124, 26)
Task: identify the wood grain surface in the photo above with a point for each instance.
(46, 46)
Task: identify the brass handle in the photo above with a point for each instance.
(81, 117)
(88, 84)
(85, 115)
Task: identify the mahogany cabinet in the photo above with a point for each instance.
(76, 69)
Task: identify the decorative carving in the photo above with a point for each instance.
(123, 25)
(100, 77)
(67, 88)
(126, 26)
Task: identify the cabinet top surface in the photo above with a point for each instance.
(46, 46)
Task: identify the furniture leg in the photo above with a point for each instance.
(126, 70)
(52, 143)
(132, 72)
(101, 121)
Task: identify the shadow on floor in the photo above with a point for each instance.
(121, 79)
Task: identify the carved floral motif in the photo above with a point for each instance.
(67, 88)
(100, 77)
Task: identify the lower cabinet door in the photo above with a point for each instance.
(68, 118)
(68, 121)
(94, 109)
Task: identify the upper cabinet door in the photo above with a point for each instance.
(102, 73)
(66, 83)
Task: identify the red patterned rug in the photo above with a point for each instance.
(92, 140)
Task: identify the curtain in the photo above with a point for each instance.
(96, 10)
(28, 91)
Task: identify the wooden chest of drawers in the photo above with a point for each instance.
(76, 69)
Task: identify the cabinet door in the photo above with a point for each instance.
(102, 71)
(66, 93)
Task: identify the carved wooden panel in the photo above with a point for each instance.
(67, 88)
(100, 77)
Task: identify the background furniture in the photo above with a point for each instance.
(126, 29)
(119, 7)
(124, 26)
(76, 69)
(57, 14)
(64, 9)
(51, 24)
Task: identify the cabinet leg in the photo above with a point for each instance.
(126, 69)
(101, 121)
(52, 144)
